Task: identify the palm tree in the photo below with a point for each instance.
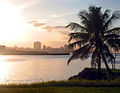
(95, 35)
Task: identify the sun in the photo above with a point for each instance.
(11, 22)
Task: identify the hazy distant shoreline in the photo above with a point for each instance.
(36, 54)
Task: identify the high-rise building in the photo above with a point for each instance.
(44, 47)
(37, 45)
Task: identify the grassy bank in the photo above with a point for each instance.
(80, 83)
(61, 90)
(72, 86)
(92, 74)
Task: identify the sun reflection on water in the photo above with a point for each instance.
(5, 68)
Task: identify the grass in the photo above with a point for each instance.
(62, 90)
(72, 86)
(80, 83)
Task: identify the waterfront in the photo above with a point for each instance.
(39, 68)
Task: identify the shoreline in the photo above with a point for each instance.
(67, 83)
(40, 54)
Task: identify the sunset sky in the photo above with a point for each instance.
(23, 22)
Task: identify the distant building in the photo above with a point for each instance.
(2, 47)
(37, 45)
(44, 47)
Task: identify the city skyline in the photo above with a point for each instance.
(42, 20)
(38, 49)
(35, 46)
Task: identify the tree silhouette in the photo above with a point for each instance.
(95, 35)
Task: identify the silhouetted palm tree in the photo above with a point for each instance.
(95, 35)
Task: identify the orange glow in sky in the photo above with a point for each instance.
(22, 22)
(14, 30)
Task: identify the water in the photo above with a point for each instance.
(39, 68)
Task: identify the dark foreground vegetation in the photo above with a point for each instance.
(72, 86)
(61, 90)
(68, 83)
(92, 74)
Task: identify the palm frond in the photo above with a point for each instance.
(84, 17)
(115, 16)
(93, 9)
(116, 29)
(107, 52)
(78, 43)
(81, 53)
(114, 43)
(105, 15)
(111, 36)
(78, 36)
(76, 27)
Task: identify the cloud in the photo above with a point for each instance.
(58, 27)
(48, 28)
(53, 28)
(36, 23)
(56, 16)
(62, 15)
(66, 33)
(22, 4)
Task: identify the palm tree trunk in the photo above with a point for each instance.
(99, 70)
(99, 62)
(99, 66)
(108, 69)
(114, 60)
